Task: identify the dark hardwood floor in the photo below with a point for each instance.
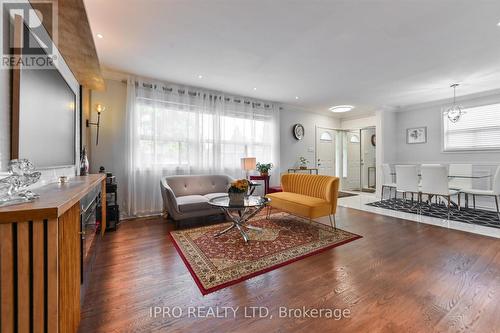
(401, 276)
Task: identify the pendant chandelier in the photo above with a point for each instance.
(455, 112)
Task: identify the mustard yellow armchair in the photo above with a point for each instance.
(309, 196)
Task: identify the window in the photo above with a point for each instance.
(190, 138)
(174, 130)
(477, 129)
(325, 136)
(354, 138)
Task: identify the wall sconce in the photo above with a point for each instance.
(99, 108)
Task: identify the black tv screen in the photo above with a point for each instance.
(47, 118)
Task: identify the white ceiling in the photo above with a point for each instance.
(371, 54)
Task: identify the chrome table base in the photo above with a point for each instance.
(240, 219)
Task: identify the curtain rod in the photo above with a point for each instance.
(266, 105)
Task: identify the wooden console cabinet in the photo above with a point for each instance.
(40, 259)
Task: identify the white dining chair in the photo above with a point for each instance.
(435, 183)
(407, 181)
(388, 180)
(494, 192)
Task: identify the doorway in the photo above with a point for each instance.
(325, 151)
(352, 161)
(359, 160)
(368, 162)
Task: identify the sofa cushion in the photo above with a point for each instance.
(198, 184)
(189, 203)
(214, 195)
(300, 204)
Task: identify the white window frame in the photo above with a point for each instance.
(265, 144)
(464, 150)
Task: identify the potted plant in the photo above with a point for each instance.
(303, 162)
(264, 168)
(237, 191)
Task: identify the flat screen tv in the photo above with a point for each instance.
(47, 119)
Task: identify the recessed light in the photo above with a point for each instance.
(296, 97)
(498, 24)
(254, 88)
(100, 36)
(341, 108)
(200, 76)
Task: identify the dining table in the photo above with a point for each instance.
(457, 176)
(460, 177)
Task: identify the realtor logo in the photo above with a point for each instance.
(31, 34)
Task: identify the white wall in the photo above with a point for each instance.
(431, 152)
(386, 150)
(358, 122)
(109, 151)
(386, 136)
(111, 148)
(290, 148)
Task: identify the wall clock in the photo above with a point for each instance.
(298, 131)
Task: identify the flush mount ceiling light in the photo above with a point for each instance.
(498, 24)
(100, 36)
(296, 97)
(455, 112)
(341, 108)
(200, 76)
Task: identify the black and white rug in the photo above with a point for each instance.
(346, 194)
(480, 217)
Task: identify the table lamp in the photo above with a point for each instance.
(248, 163)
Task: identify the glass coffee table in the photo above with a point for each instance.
(240, 214)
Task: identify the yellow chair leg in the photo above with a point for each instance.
(333, 223)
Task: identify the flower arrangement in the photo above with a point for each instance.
(239, 186)
(303, 162)
(264, 168)
(237, 191)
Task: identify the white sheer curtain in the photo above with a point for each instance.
(174, 130)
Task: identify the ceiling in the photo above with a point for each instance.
(370, 54)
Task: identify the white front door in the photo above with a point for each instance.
(368, 163)
(353, 182)
(325, 151)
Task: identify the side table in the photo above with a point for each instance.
(266, 182)
(310, 170)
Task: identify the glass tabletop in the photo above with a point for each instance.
(457, 176)
(250, 201)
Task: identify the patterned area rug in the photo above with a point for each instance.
(478, 216)
(216, 263)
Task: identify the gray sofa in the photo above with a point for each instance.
(187, 196)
